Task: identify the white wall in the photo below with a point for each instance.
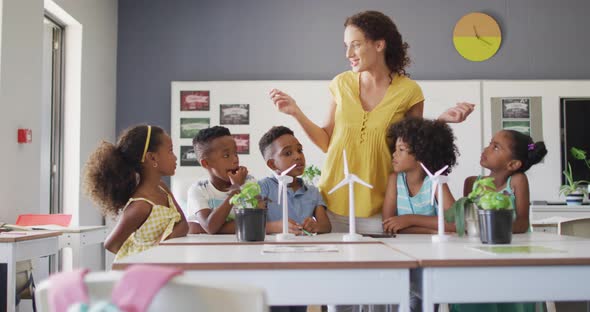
(21, 98)
(313, 98)
(472, 135)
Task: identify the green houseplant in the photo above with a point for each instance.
(574, 191)
(580, 154)
(250, 220)
(492, 209)
(311, 174)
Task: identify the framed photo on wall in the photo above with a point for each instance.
(194, 100)
(234, 114)
(188, 157)
(518, 113)
(516, 108)
(242, 142)
(189, 127)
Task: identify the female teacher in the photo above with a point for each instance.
(375, 93)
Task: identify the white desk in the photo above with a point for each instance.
(78, 237)
(24, 246)
(454, 273)
(540, 212)
(231, 239)
(365, 273)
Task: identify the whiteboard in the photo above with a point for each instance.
(313, 97)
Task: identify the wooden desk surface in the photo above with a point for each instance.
(251, 257)
(18, 236)
(83, 228)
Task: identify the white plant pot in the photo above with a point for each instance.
(575, 198)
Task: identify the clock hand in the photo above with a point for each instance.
(475, 31)
(484, 41)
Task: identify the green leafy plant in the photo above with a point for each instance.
(310, 173)
(580, 154)
(483, 195)
(572, 186)
(248, 197)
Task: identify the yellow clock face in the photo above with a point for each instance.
(477, 36)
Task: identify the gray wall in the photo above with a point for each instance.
(21, 98)
(161, 41)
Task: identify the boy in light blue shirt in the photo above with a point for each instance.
(307, 209)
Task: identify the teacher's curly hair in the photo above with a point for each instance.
(111, 173)
(432, 142)
(378, 26)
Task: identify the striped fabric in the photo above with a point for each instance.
(418, 204)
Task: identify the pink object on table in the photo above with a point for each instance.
(43, 219)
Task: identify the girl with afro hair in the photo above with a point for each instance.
(407, 207)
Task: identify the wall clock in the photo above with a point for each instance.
(477, 36)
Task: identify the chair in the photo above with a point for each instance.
(180, 294)
(576, 227)
(179, 189)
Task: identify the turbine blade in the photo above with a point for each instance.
(426, 169)
(345, 162)
(358, 180)
(288, 169)
(441, 170)
(339, 185)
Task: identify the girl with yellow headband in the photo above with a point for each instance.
(125, 180)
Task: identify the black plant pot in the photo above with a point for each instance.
(495, 226)
(250, 224)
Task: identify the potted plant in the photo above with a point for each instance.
(580, 154)
(311, 174)
(494, 213)
(250, 218)
(573, 190)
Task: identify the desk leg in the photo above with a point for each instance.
(76, 252)
(8, 256)
(404, 304)
(427, 303)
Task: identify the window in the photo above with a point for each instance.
(52, 123)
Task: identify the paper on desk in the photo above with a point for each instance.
(517, 249)
(48, 227)
(296, 248)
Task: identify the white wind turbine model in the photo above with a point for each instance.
(284, 181)
(437, 184)
(350, 179)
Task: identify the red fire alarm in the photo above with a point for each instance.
(25, 136)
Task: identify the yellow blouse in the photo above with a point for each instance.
(156, 228)
(363, 135)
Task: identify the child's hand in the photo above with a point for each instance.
(310, 225)
(395, 224)
(294, 227)
(239, 176)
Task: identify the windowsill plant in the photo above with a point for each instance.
(574, 191)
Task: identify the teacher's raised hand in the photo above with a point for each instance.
(458, 113)
(283, 102)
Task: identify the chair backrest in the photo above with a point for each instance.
(180, 294)
(576, 227)
(179, 189)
